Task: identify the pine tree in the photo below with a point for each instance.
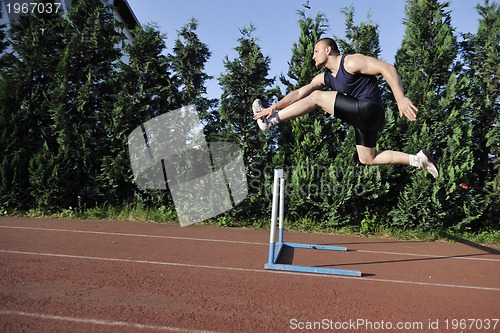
(360, 39)
(245, 79)
(188, 60)
(301, 71)
(362, 192)
(490, 218)
(310, 142)
(7, 105)
(481, 53)
(27, 78)
(3, 40)
(146, 91)
(429, 74)
(301, 66)
(82, 92)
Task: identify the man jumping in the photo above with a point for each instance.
(354, 97)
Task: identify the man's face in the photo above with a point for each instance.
(320, 56)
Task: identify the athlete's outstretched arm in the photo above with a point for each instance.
(358, 63)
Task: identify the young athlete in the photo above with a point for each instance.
(354, 97)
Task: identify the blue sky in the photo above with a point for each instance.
(220, 21)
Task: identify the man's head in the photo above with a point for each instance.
(324, 48)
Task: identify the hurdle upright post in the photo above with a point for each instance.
(281, 218)
(274, 214)
(275, 248)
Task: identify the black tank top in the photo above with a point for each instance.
(360, 86)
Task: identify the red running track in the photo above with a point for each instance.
(59, 275)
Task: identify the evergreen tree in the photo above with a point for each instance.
(426, 64)
(148, 75)
(309, 142)
(301, 71)
(490, 218)
(3, 39)
(245, 79)
(7, 105)
(362, 39)
(361, 192)
(301, 66)
(27, 78)
(481, 53)
(82, 91)
(146, 91)
(188, 60)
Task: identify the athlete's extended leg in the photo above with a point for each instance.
(321, 99)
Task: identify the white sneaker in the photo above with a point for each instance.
(427, 163)
(264, 124)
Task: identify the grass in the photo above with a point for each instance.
(108, 212)
(167, 215)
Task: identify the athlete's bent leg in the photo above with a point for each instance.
(422, 160)
(317, 99)
(368, 156)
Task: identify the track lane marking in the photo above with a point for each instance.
(461, 257)
(101, 322)
(135, 235)
(433, 256)
(239, 269)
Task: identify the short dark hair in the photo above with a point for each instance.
(330, 42)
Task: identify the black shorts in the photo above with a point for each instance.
(367, 118)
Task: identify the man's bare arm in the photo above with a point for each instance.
(358, 63)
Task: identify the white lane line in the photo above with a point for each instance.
(238, 269)
(101, 322)
(135, 235)
(457, 256)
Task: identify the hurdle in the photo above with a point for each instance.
(276, 247)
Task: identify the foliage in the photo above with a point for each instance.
(188, 84)
(70, 96)
(244, 80)
(480, 69)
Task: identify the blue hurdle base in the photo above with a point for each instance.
(276, 246)
(275, 251)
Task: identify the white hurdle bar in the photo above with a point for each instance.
(275, 248)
